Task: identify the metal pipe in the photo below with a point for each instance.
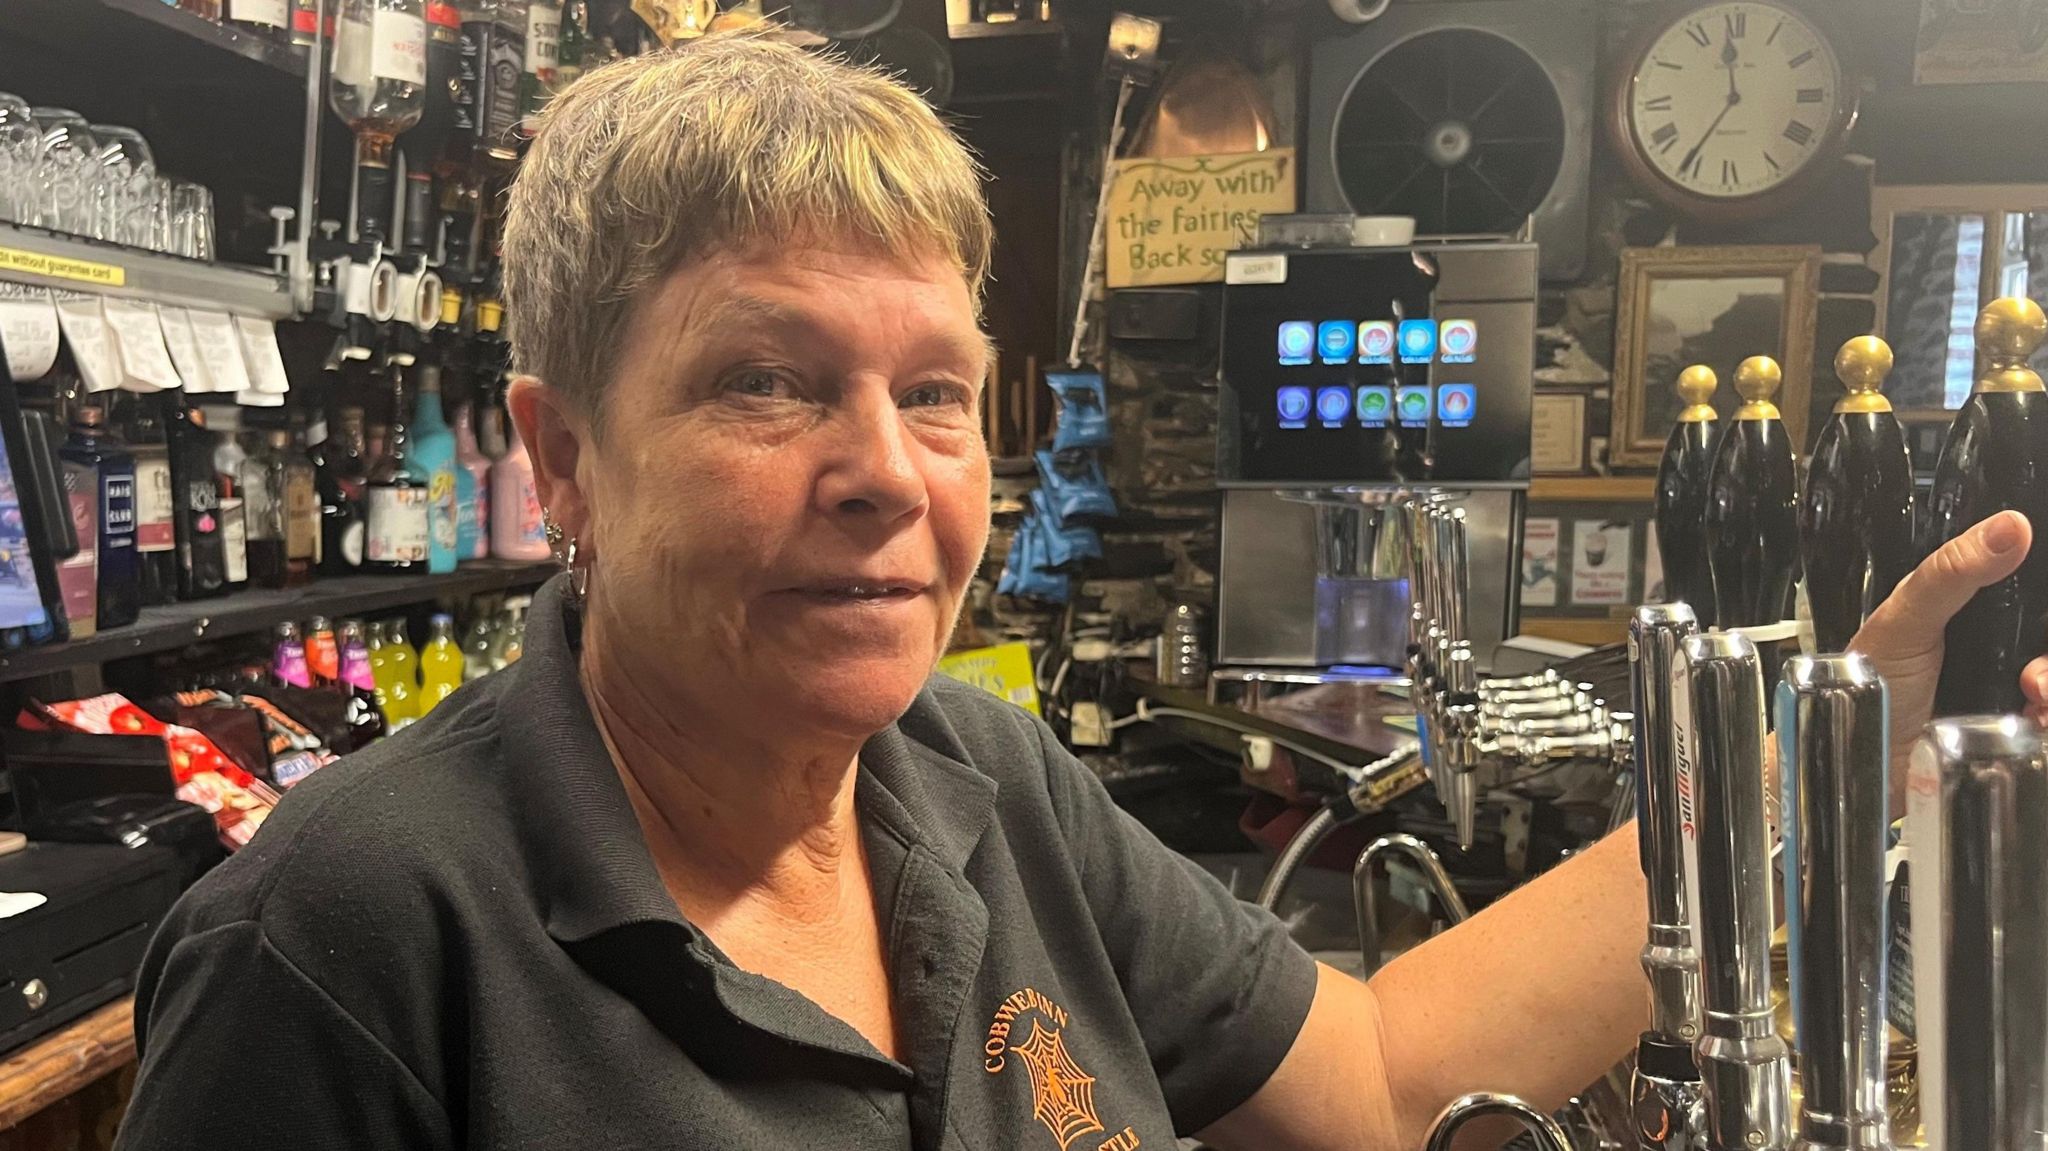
(1366, 898)
(1833, 743)
(1296, 853)
(300, 263)
(1544, 1131)
(1977, 818)
(1745, 1068)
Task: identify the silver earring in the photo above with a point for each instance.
(564, 547)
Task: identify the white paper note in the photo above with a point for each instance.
(145, 363)
(28, 326)
(184, 349)
(220, 347)
(251, 398)
(259, 352)
(92, 345)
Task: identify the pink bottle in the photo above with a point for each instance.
(515, 507)
(474, 517)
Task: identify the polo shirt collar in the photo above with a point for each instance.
(589, 859)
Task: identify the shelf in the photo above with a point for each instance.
(285, 58)
(246, 613)
(980, 30)
(34, 256)
(152, 27)
(1584, 489)
(66, 1060)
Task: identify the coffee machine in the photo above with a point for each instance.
(1352, 377)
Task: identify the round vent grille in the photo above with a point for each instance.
(1458, 128)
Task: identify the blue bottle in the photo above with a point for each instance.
(432, 463)
(120, 573)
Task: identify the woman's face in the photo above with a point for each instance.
(789, 492)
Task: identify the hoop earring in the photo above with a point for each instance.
(564, 547)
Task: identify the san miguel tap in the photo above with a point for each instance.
(1995, 458)
(1666, 1084)
(1752, 516)
(1976, 804)
(1833, 751)
(1856, 515)
(1745, 1068)
(1681, 500)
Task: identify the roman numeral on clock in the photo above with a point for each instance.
(1665, 138)
(1699, 35)
(1690, 169)
(1812, 95)
(1738, 25)
(1772, 163)
(1728, 175)
(1799, 133)
(1773, 37)
(1801, 59)
(1657, 104)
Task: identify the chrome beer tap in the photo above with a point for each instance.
(1666, 1086)
(1745, 1068)
(1834, 751)
(1977, 807)
(1543, 1131)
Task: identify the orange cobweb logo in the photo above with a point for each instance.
(1062, 1093)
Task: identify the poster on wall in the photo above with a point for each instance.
(1170, 220)
(1539, 563)
(1600, 562)
(1982, 42)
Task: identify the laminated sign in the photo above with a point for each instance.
(1171, 220)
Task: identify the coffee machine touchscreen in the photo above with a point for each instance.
(1375, 366)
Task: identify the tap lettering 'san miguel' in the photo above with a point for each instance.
(1856, 515)
(1682, 479)
(1994, 459)
(1753, 514)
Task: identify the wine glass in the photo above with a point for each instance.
(126, 208)
(20, 141)
(191, 219)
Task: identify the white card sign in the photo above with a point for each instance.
(28, 326)
(220, 348)
(145, 363)
(92, 345)
(259, 352)
(185, 349)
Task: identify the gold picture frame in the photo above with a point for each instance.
(1714, 305)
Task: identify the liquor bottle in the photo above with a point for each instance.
(118, 570)
(229, 463)
(301, 508)
(156, 514)
(1682, 479)
(433, 463)
(288, 660)
(402, 675)
(440, 118)
(1753, 517)
(378, 87)
(365, 719)
(493, 48)
(204, 9)
(1856, 515)
(1994, 459)
(396, 499)
(202, 559)
(78, 574)
(306, 28)
(440, 663)
(341, 478)
(262, 473)
(543, 40)
(516, 531)
(323, 652)
(472, 490)
(569, 51)
(379, 439)
(264, 19)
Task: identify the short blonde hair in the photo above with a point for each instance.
(729, 143)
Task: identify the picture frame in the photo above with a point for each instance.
(1557, 431)
(1678, 306)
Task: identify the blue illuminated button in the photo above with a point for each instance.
(1297, 341)
(1332, 405)
(1293, 407)
(1376, 342)
(1418, 341)
(1459, 340)
(1456, 404)
(1375, 405)
(1334, 339)
(1412, 403)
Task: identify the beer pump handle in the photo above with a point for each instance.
(1993, 460)
(1668, 958)
(1745, 1067)
(1681, 497)
(1856, 514)
(1461, 688)
(1752, 517)
(1834, 741)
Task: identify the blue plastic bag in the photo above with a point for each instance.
(1074, 487)
(1065, 545)
(1084, 414)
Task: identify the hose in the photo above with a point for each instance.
(1295, 854)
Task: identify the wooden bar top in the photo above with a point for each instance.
(67, 1059)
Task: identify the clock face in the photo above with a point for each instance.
(1734, 98)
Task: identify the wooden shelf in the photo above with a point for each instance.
(1593, 489)
(178, 625)
(65, 1060)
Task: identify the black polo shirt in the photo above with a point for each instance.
(457, 938)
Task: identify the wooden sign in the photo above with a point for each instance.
(1170, 221)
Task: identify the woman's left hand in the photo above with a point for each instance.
(1904, 636)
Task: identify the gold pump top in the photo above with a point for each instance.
(1696, 386)
(2008, 331)
(1756, 380)
(1862, 365)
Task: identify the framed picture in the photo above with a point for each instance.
(1557, 431)
(1716, 306)
(1588, 556)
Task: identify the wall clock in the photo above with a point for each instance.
(1728, 110)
